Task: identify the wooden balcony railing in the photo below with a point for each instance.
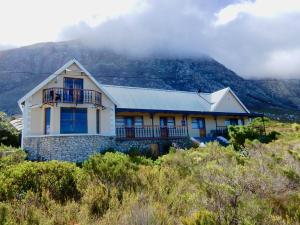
(150, 132)
(75, 96)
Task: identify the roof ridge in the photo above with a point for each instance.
(154, 89)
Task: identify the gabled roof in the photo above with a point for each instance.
(168, 100)
(217, 97)
(58, 72)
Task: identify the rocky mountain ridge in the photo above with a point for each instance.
(23, 68)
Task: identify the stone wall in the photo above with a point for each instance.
(79, 148)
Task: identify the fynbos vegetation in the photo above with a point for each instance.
(254, 183)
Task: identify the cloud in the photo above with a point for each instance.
(258, 8)
(254, 38)
(31, 21)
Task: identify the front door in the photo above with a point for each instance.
(73, 90)
(199, 124)
(129, 127)
(166, 123)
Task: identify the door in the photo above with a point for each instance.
(199, 124)
(129, 127)
(166, 124)
(73, 90)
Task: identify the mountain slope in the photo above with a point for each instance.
(23, 68)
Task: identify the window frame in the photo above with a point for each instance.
(198, 123)
(46, 129)
(74, 121)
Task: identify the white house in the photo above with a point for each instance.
(70, 115)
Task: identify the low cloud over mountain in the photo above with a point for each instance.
(254, 38)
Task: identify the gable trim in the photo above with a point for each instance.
(58, 72)
(234, 95)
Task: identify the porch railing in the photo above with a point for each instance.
(68, 95)
(150, 132)
(220, 131)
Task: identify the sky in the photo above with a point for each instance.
(255, 38)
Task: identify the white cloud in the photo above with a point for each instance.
(258, 8)
(254, 38)
(283, 62)
(31, 21)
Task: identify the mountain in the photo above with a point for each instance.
(23, 68)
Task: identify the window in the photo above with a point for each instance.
(231, 121)
(138, 121)
(47, 120)
(73, 120)
(167, 122)
(122, 121)
(73, 90)
(198, 123)
(98, 121)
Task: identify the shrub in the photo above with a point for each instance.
(296, 127)
(8, 134)
(3, 214)
(203, 217)
(239, 134)
(59, 178)
(10, 156)
(113, 169)
(96, 199)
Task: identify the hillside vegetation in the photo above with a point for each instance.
(255, 184)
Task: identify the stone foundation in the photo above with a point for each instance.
(79, 148)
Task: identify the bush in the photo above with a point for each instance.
(203, 217)
(8, 134)
(296, 127)
(96, 199)
(113, 169)
(59, 178)
(239, 134)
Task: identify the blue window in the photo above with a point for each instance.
(73, 120)
(47, 120)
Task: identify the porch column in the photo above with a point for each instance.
(187, 125)
(151, 115)
(216, 121)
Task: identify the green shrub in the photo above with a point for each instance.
(8, 134)
(113, 169)
(96, 199)
(59, 178)
(239, 134)
(10, 156)
(296, 127)
(3, 214)
(203, 217)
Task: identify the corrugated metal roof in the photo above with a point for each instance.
(17, 123)
(158, 99)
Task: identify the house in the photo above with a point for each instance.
(70, 115)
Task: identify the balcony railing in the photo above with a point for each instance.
(220, 131)
(74, 96)
(151, 132)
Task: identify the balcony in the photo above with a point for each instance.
(72, 96)
(151, 132)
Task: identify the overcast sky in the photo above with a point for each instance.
(257, 38)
